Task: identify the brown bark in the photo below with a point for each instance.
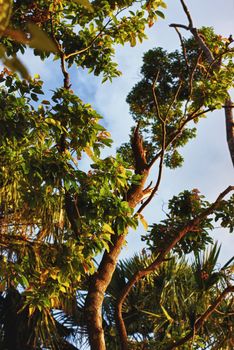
(199, 322)
(230, 126)
(97, 288)
(156, 263)
(102, 278)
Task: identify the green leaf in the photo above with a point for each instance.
(53, 122)
(107, 228)
(40, 40)
(163, 5)
(23, 281)
(143, 221)
(84, 3)
(5, 14)
(169, 318)
(160, 14)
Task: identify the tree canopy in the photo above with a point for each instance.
(62, 227)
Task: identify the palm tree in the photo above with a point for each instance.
(166, 305)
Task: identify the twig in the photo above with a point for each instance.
(75, 53)
(183, 47)
(155, 96)
(94, 39)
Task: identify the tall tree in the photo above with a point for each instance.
(55, 218)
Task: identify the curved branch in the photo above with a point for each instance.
(200, 321)
(156, 263)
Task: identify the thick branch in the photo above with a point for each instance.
(230, 126)
(155, 264)
(200, 321)
(138, 151)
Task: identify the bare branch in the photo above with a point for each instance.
(230, 126)
(187, 13)
(183, 46)
(164, 132)
(177, 25)
(155, 96)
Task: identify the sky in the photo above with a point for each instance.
(207, 164)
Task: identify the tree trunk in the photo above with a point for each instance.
(97, 288)
(102, 278)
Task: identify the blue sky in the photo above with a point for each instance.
(207, 164)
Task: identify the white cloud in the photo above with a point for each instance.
(207, 161)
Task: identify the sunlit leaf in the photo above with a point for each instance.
(5, 14)
(84, 3)
(54, 122)
(89, 152)
(40, 40)
(169, 318)
(107, 228)
(143, 221)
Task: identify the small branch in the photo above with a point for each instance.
(94, 39)
(187, 13)
(66, 80)
(191, 77)
(174, 98)
(177, 25)
(183, 47)
(155, 97)
(190, 117)
(78, 52)
(200, 321)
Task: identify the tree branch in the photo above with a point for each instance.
(185, 8)
(230, 126)
(155, 264)
(200, 321)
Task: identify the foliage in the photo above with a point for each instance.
(182, 209)
(56, 217)
(183, 86)
(164, 305)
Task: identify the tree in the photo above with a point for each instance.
(55, 217)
